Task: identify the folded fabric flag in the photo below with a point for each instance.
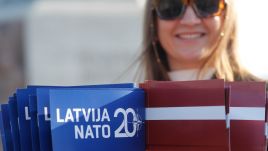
(24, 118)
(247, 116)
(97, 119)
(5, 128)
(43, 110)
(266, 117)
(188, 115)
(266, 120)
(13, 115)
(33, 122)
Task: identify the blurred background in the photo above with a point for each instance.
(67, 42)
(74, 42)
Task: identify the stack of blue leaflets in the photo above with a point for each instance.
(92, 117)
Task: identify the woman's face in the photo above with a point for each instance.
(184, 39)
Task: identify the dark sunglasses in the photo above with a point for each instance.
(171, 9)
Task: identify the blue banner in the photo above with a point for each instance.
(97, 119)
(5, 128)
(43, 110)
(13, 115)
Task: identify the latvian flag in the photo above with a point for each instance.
(186, 116)
(247, 116)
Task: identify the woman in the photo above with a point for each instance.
(190, 40)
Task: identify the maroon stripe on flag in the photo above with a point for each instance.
(186, 148)
(185, 97)
(201, 133)
(247, 94)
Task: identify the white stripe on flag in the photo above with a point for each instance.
(247, 113)
(186, 113)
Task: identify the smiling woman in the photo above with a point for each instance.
(189, 40)
(186, 39)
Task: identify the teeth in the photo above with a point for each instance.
(189, 36)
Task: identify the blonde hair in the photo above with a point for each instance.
(223, 54)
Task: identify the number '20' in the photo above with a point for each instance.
(124, 125)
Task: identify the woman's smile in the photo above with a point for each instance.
(190, 35)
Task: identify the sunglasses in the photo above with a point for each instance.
(171, 9)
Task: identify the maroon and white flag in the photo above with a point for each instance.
(247, 116)
(186, 116)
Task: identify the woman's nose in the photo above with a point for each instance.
(189, 17)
